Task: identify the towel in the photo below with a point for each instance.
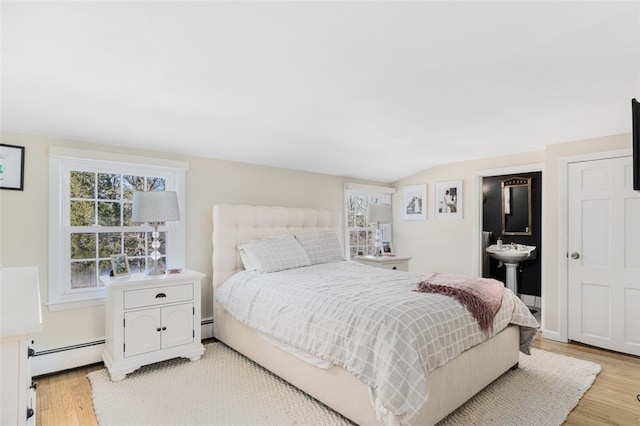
(486, 262)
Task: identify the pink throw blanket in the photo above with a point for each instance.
(481, 296)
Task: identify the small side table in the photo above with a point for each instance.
(395, 263)
(151, 318)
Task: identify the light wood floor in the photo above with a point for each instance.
(65, 398)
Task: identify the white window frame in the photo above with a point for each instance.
(64, 160)
(383, 193)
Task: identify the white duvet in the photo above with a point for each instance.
(368, 321)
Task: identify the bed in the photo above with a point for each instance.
(449, 385)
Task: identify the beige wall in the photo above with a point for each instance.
(24, 217)
(447, 245)
(435, 245)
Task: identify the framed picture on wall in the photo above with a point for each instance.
(447, 200)
(414, 202)
(11, 167)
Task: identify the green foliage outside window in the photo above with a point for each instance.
(100, 224)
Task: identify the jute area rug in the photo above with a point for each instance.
(225, 388)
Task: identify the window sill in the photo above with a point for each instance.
(66, 305)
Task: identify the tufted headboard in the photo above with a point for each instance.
(233, 224)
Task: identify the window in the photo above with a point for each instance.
(90, 219)
(360, 236)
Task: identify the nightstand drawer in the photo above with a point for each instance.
(385, 262)
(398, 266)
(157, 296)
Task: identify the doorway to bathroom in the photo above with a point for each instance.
(496, 212)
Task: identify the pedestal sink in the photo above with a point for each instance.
(511, 255)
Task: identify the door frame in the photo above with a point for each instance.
(562, 335)
(476, 215)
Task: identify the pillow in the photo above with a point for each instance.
(246, 260)
(273, 254)
(322, 247)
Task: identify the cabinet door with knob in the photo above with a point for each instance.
(150, 330)
(151, 319)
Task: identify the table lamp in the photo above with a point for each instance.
(154, 208)
(379, 213)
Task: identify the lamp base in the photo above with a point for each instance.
(156, 270)
(378, 242)
(155, 254)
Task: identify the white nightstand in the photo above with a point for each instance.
(386, 262)
(151, 318)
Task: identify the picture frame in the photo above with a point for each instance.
(386, 248)
(12, 167)
(120, 265)
(414, 202)
(447, 200)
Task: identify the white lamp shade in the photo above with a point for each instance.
(379, 213)
(155, 206)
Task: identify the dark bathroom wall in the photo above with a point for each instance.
(529, 280)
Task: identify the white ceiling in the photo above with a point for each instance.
(372, 90)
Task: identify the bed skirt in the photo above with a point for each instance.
(450, 385)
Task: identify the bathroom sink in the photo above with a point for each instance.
(508, 253)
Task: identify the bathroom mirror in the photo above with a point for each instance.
(516, 206)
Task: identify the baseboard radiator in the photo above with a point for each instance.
(73, 356)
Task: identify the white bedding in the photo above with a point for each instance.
(367, 320)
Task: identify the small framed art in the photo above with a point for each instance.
(120, 265)
(414, 202)
(11, 167)
(386, 248)
(448, 200)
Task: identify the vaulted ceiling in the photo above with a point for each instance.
(372, 90)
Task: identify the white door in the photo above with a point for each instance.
(604, 255)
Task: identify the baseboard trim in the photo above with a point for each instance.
(207, 328)
(60, 359)
(67, 357)
(552, 335)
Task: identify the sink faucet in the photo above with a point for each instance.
(514, 246)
